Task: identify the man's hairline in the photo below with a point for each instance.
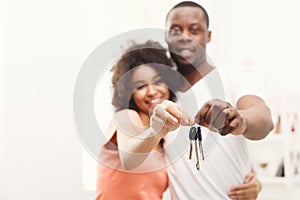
(186, 6)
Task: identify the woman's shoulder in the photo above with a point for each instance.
(126, 114)
(120, 118)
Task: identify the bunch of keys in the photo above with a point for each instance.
(196, 136)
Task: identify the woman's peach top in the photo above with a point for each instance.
(144, 183)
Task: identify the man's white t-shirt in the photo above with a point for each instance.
(226, 157)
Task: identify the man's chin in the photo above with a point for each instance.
(182, 61)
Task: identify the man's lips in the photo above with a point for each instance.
(185, 53)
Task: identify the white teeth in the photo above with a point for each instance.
(154, 101)
(185, 53)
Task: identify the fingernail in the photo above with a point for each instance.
(186, 122)
(174, 120)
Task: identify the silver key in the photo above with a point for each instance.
(197, 156)
(192, 137)
(191, 149)
(199, 136)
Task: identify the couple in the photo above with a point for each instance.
(139, 148)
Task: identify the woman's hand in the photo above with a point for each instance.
(168, 116)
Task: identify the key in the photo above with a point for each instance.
(197, 155)
(192, 136)
(191, 149)
(199, 136)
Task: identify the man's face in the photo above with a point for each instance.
(187, 35)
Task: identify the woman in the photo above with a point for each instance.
(141, 80)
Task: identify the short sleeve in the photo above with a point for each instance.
(241, 82)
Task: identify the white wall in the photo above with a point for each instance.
(47, 41)
(1, 99)
(43, 53)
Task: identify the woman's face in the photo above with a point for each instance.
(148, 88)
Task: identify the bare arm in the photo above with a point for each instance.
(136, 142)
(252, 118)
(256, 115)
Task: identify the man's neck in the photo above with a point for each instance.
(196, 74)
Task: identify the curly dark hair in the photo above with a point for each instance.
(150, 53)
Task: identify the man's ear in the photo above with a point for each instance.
(208, 36)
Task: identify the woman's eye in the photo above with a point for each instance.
(159, 82)
(139, 87)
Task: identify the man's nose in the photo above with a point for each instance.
(185, 35)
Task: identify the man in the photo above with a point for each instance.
(235, 118)
(227, 161)
(190, 20)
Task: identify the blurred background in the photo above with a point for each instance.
(44, 44)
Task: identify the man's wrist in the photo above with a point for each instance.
(244, 125)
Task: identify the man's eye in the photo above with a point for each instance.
(175, 31)
(194, 30)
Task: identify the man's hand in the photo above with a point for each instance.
(249, 190)
(222, 117)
